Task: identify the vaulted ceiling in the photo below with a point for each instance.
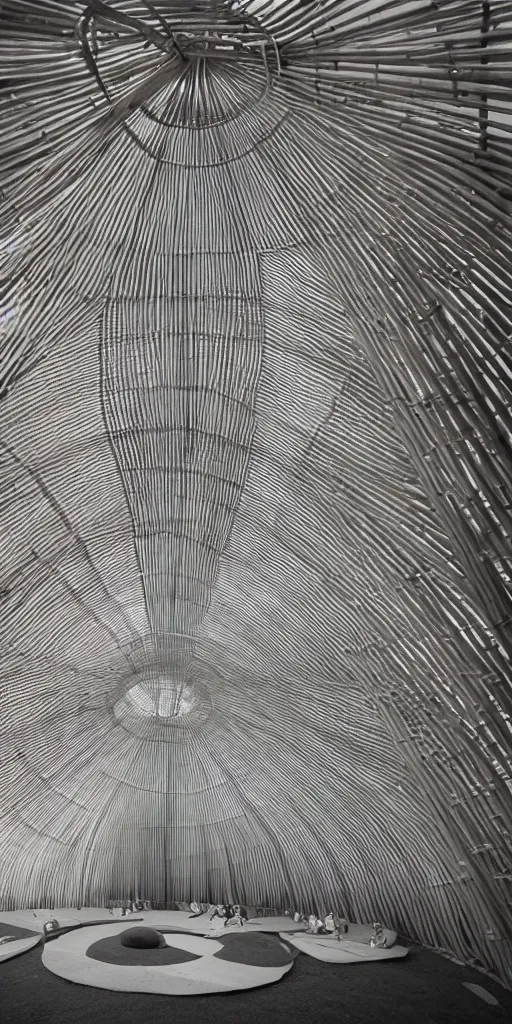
(255, 458)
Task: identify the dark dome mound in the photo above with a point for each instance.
(142, 938)
(110, 951)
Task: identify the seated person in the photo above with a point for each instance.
(378, 939)
(340, 926)
(239, 915)
(219, 911)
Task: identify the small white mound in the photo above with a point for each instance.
(481, 992)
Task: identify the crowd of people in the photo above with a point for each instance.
(234, 913)
(236, 916)
(332, 924)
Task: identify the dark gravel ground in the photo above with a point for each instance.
(424, 988)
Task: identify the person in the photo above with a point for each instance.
(237, 920)
(378, 939)
(240, 915)
(312, 925)
(340, 926)
(219, 911)
(196, 909)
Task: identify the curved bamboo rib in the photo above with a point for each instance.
(255, 433)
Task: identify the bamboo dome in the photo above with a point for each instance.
(255, 459)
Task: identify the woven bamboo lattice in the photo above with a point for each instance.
(255, 459)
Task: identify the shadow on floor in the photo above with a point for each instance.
(422, 989)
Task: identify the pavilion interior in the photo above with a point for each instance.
(256, 473)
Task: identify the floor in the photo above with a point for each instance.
(422, 989)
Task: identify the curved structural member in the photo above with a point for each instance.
(255, 466)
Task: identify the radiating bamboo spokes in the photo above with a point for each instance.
(180, 363)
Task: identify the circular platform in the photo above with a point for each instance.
(188, 965)
(344, 951)
(19, 940)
